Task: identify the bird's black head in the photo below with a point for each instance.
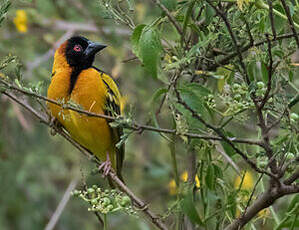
(80, 52)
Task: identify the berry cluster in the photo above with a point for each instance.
(105, 201)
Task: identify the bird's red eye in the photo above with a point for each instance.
(77, 48)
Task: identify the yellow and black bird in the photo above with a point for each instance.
(75, 79)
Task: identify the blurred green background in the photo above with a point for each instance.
(37, 168)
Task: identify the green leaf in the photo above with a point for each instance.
(193, 101)
(209, 14)
(189, 209)
(294, 201)
(218, 171)
(169, 4)
(225, 75)
(257, 71)
(135, 39)
(264, 72)
(150, 49)
(251, 69)
(210, 177)
(197, 89)
(158, 93)
(195, 96)
(227, 147)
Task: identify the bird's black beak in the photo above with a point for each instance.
(93, 48)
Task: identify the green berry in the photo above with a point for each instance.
(262, 164)
(289, 156)
(259, 93)
(236, 86)
(76, 193)
(94, 187)
(106, 201)
(240, 105)
(94, 201)
(237, 97)
(294, 116)
(110, 207)
(90, 190)
(125, 201)
(260, 84)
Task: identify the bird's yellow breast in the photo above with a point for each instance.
(89, 93)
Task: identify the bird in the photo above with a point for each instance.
(75, 80)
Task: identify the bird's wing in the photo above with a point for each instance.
(113, 108)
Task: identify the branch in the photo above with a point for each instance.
(170, 17)
(228, 26)
(227, 58)
(265, 200)
(271, 18)
(291, 22)
(270, 73)
(55, 217)
(292, 178)
(259, 110)
(221, 135)
(133, 126)
(136, 201)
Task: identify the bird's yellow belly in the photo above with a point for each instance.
(89, 93)
(92, 133)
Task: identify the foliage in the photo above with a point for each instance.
(215, 84)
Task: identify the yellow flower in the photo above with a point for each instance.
(247, 181)
(20, 21)
(184, 177)
(172, 187)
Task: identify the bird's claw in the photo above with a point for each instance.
(55, 126)
(106, 167)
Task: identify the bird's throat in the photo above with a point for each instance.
(73, 79)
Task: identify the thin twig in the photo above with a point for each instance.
(170, 17)
(271, 18)
(227, 58)
(133, 125)
(291, 22)
(265, 200)
(140, 204)
(270, 73)
(224, 137)
(44, 119)
(56, 215)
(252, 193)
(233, 37)
(292, 178)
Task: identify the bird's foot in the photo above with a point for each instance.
(55, 126)
(106, 166)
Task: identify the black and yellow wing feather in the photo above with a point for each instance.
(113, 108)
